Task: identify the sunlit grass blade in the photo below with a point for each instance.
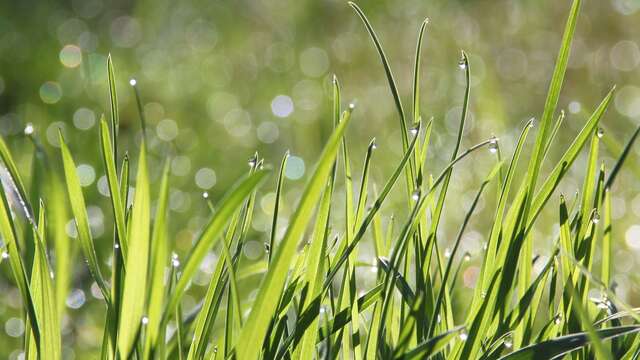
(136, 279)
(432, 346)
(14, 180)
(159, 261)
(113, 97)
(79, 209)
(621, 159)
(117, 205)
(266, 300)
(44, 296)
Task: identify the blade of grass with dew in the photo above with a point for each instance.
(159, 259)
(432, 346)
(265, 303)
(117, 205)
(136, 278)
(210, 234)
(14, 180)
(79, 210)
(621, 159)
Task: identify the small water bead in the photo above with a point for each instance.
(493, 145)
(252, 161)
(467, 257)
(557, 319)
(416, 195)
(5, 255)
(462, 64)
(352, 106)
(463, 335)
(447, 253)
(374, 145)
(483, 294)
(29, 129)
(133, 82)
(414, 130)
(596, 217)
(267, 247)
(116, 246)
(508, 342)
(600, 132)
(205, 195)
(145, 320)
(175, 263)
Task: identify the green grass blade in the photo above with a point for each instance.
(276, 205)
(565, 344)
(117, 205)
(80, 215)
(113, 97)
(44, 297)
(159, 260)
(266, 301)
(135, 281)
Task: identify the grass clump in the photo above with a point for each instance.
(311, 301)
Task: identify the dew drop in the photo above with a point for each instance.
(414, 130)
(462, 64)
(557, 319)
(493, 145)
(5, 255)
(29, 129)
(267, 247)
(352, 106)
(467, 257)
(252, 161)
(447, 253)
(133, 82)
(373, 144)
(596, 217)
(145, 320)
(463, 335)
(175, 263)
(416, 195)
(483, 294)
(508, 342)
(116, 246)
(532, 122)
(600, 132)
(205, 195)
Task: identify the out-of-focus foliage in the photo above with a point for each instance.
(220, 80)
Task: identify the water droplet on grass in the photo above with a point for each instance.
(5, 255)
(133, 82)
(205, 195)
(416, 195)
(600, 132)
(493, 145)
(596, 217)
(145, 320)
(29, 129)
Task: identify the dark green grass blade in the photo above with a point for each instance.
(565, 344)
(276, 206)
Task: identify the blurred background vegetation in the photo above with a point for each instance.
(222, 79)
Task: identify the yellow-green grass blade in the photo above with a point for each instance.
(134, 293)
(432, 345)
(44, 297)
(159, 260)
(607, 248)
(313, 276)
(117, 205)
(266, 301)
(113, 97)
(14, 180)
(211, 233)
(416, 72)
(79, 209)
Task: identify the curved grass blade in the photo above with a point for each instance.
(431, 346)
(565, 344)
(266, 301)
(113, 96)
(80, 215)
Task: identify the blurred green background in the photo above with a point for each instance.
(222, 79)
